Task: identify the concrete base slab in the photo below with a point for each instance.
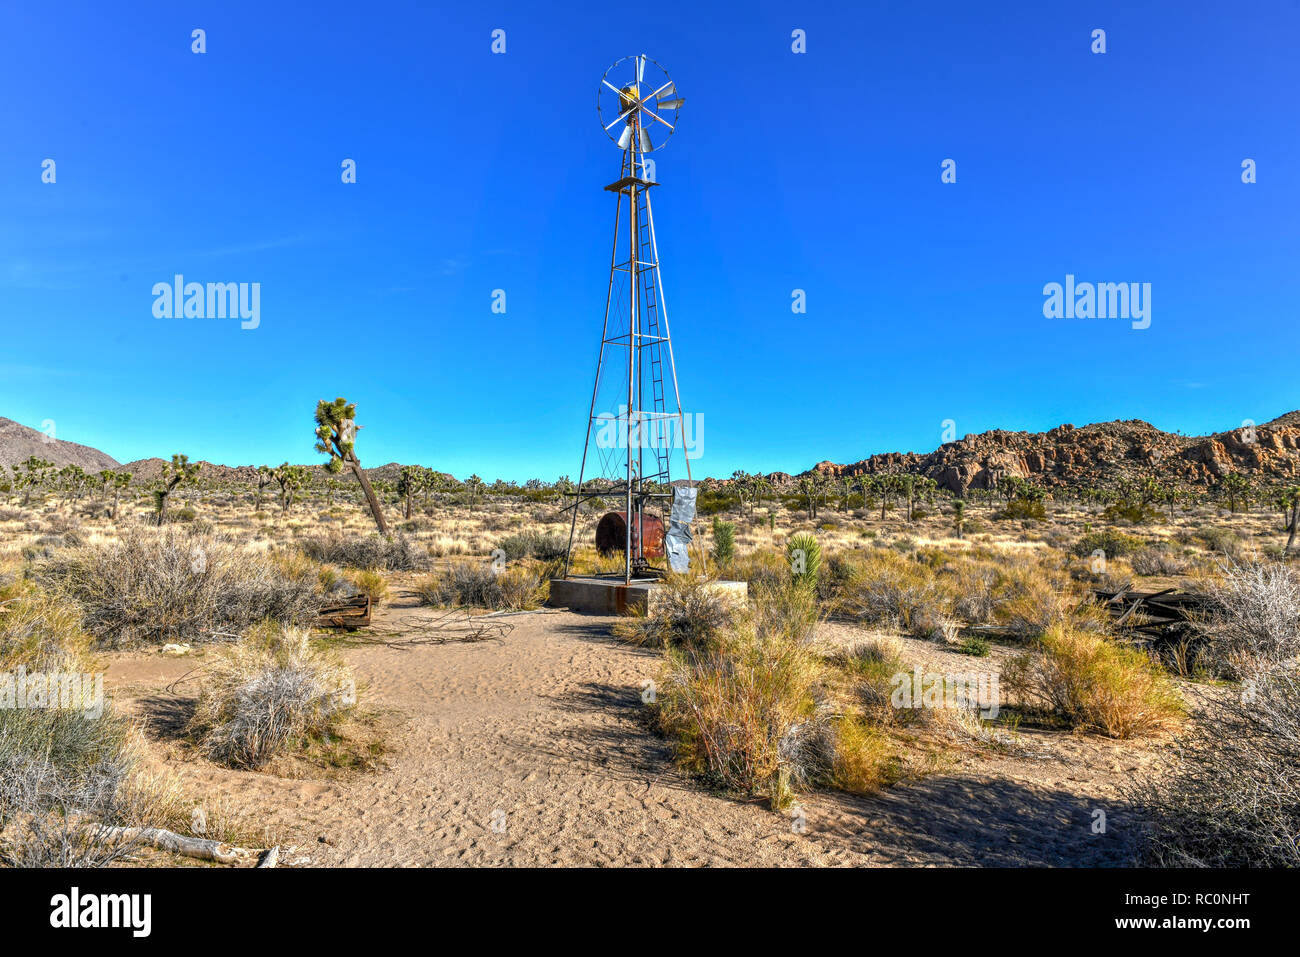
(611, 596)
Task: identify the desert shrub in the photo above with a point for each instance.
(395, 554)
(1231, 797)
(971, 585)
(886, 588)
(744, 711)
(750, 709)
(530, 543)
(1223, 541)
(1256, 622)
(268, 694)
(472, 584)
(762, 567)
(62, 769)
(863, 760)
(1134, 513)
(40, 633)
(1158, 561)
(724, 541)
(872, 663)
(1111, 543)
(974, 646)
(1032, 596)
(1091, 683)
(172, 584)
(370, 582)
(1024, 509)
(686, 612)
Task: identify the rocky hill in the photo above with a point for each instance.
(1097, 454)
(18, 443)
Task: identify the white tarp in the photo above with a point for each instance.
(678, 540)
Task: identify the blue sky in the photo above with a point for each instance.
(818, 171)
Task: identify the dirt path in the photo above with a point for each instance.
(545, 737)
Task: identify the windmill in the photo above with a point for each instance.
(638, 105)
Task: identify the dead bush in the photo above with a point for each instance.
(1231, 797)
(396, 553)
(477, 585)
(270, 693)
(1256, 622)
(171, 584)
(687, 612)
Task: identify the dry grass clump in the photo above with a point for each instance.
(872, 664)
(761, 568)
(749, 709)
(1232, 796)
(532, 543)
(395, 554)
(174, 585)
(476, 585)
(1091, 683)
(1256, 623)
(886, 588)
(268, 694)
(686, 613)
(40, 633)
(63, 766)
(370, 582)
(1158, 561)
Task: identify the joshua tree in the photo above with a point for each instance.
(32, 477)
(331, 486)
(887, 486)
(265, 476)
(1288, 500)
(959, 516)
(118, 481)
(409, 482)
(1235, 486)
(808, 490)
(336, 434)
(290, 478)
(1172, 493)
(179, 471)
(474, 485)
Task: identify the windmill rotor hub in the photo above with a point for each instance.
(638, 104)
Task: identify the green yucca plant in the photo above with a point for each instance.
(805, 557)
(724, 541)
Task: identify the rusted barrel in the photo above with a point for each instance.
(611, 534)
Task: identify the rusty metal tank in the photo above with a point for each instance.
(611, 534)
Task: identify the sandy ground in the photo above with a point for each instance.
(538, 751)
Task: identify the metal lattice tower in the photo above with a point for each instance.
(633, 114)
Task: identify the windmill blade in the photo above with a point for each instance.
(675, 104)
(645, 141)
(621, 116)
(640, 68)
(625, 138)
(656, 116)
(665, 91)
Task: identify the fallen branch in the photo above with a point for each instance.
(201, 848)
